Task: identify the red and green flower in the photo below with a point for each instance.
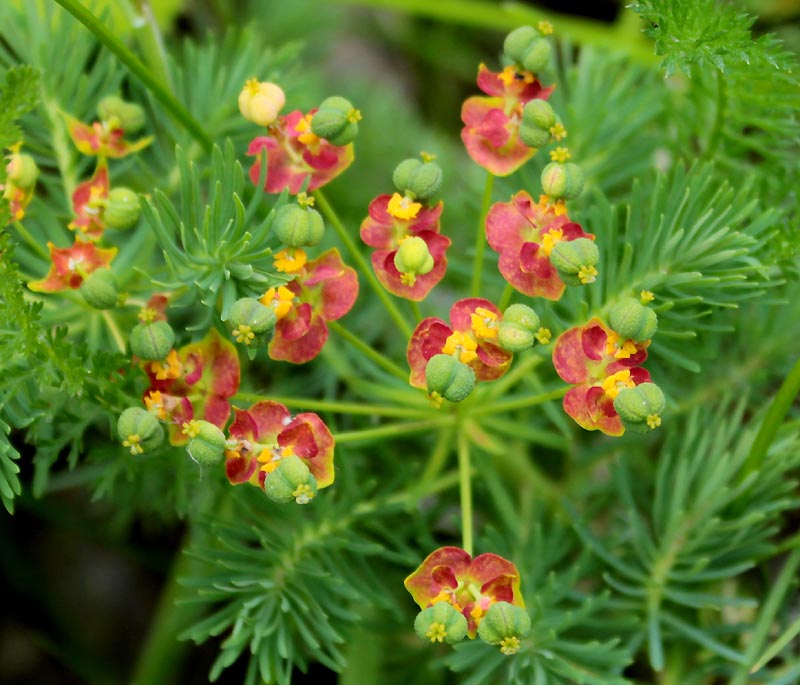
(88, 203)
(71, 265)
(262, 435)
(385, 229)
(491, 124)
(324, 289)
(524, 232)
(296, 155)
(471, 337)
(470, 585)
(599, 363)
(102, 139)
(193, 382)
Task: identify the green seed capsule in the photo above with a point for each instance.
(449, 377)
(413, 256)
(640, 407)
(504, 625)
(123, 209)
(22, 171)
(139, 430)
(207, 447)
(248, 311)
(575, 260)
(419, 180)
(297, 226)
(336, 121)
(99, 290)
(152, 341)
(538, 118)
(632, 320)
(130, 116)
(562, 180)
(441, 623)
(291, 481)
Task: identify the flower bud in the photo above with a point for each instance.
(336, 121)
(22, 171)
(129, 115)
(420, 180)
(632, 320)
(139, 430)
(413, 257)
(99, 289)
(248, 311)
(207, 446)
(292, 480)
(297, 226)
(538, 118)
(640, 407)
(526, 47)
(122, 208)
(152, 341)
(518, 328)
(260, 102)
(504, 625)
(575, 260)
(452, 379)
(441, 623)
(562, 180)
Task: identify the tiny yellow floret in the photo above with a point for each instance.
(550, 239)
(155, 404)
(543, 335)
(560, 154)
(509, 645)
(587, 274)
(408, 279)
(303, 494)
(435, 399)
(403, 207)
(290, 260)
(305, 200)
(427, 156)
(354, 116)
(462, 346)
(132, 441)
(280, 299)
(307, 136)
(545, 27)
(484, 323)
(147, 315)
(558, 131)
(646, 296)
(243, 334)
(191, 428)
(619, 348)
(654, 421)
(169, 370)
(616, 382)
(437, 632)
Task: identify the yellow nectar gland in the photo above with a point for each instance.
(307, 136)
(616, 382)
(290, 260)
(243, 334)
(547, 203)
(191, 428)
(271, 457)
(545, 27)
(147, 315)
(619, 348)
(427, 156)
(169, 370)
(550, 239)
(435, 399)
(587, 274)
(484, 323)
(280, 299)
(155, 405)
(558, 131)
(404, 208)
(132, 441)
(305, 200)
(510, 74)
(509, 645)
(303, 494)
(560, 154)
(653, 421)
(408, 279)
(354, 116)
(462, 346)
(544, 335)
(646, 296)
(437, 632)
(253, 85)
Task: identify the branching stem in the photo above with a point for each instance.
(480, 236)
(465, 491)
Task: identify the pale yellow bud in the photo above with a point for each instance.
(260, 102)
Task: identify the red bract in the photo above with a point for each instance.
(194, 382)
(524, 232)
(384, 231)
(98, 139)
(88, 203)
(470, 585)
(474, 325)
(262, 435)
(295, 155)
(324, 290)
(71, 265)
(491, 124)
(599, 363)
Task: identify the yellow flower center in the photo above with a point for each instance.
(654, 421)
(437, 632)
(191, 428)
(646, 296)
(169, 368)
(305, 200)
(408, 279)
(510, 74)
(253, 86)
(155, 404)
(587, 274)
(354, 116)
(427, 156)
(280, 299)
(403, 207)
(509, 645)
(619, 348)
(303, 494)
(307, 136)
(560, 154)
(462, 346)
(271, 457)
(132, 442)
(550, 239)
(484, 323)
(147, 315)
(558, 131)
(290, 260)
(243, 334)
(545, 27)
(558, 206)
(543, 335)
(616, 382)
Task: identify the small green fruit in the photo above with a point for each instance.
(575, 260)
(152, 341)
(640, 407)
(129, 115)
(441, 623)
(504, 625)
(538, 118)
(207, 447)
(632, 320)
(449, 377)
(419, 180)
(248, 311)
(123, 209)
(292, 480)
(100, 289)
(22, 171)
(297, 226)
(139, 430)
(526, 47)
(336, 121)
(413, 257)
(562, 180)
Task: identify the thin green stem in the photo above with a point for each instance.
(361, 262)
(417, 313)
(776, 414)
(719, 119)
(465, 491)
(519, 402)
(505, 298)
(480, 235)
(438, 458)
(178, 112)
(334, 406)
(108, 317)
(367, 351)
(765, 620)
(148, 36)
(776, 647)
(392, 430)
(32, 243)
